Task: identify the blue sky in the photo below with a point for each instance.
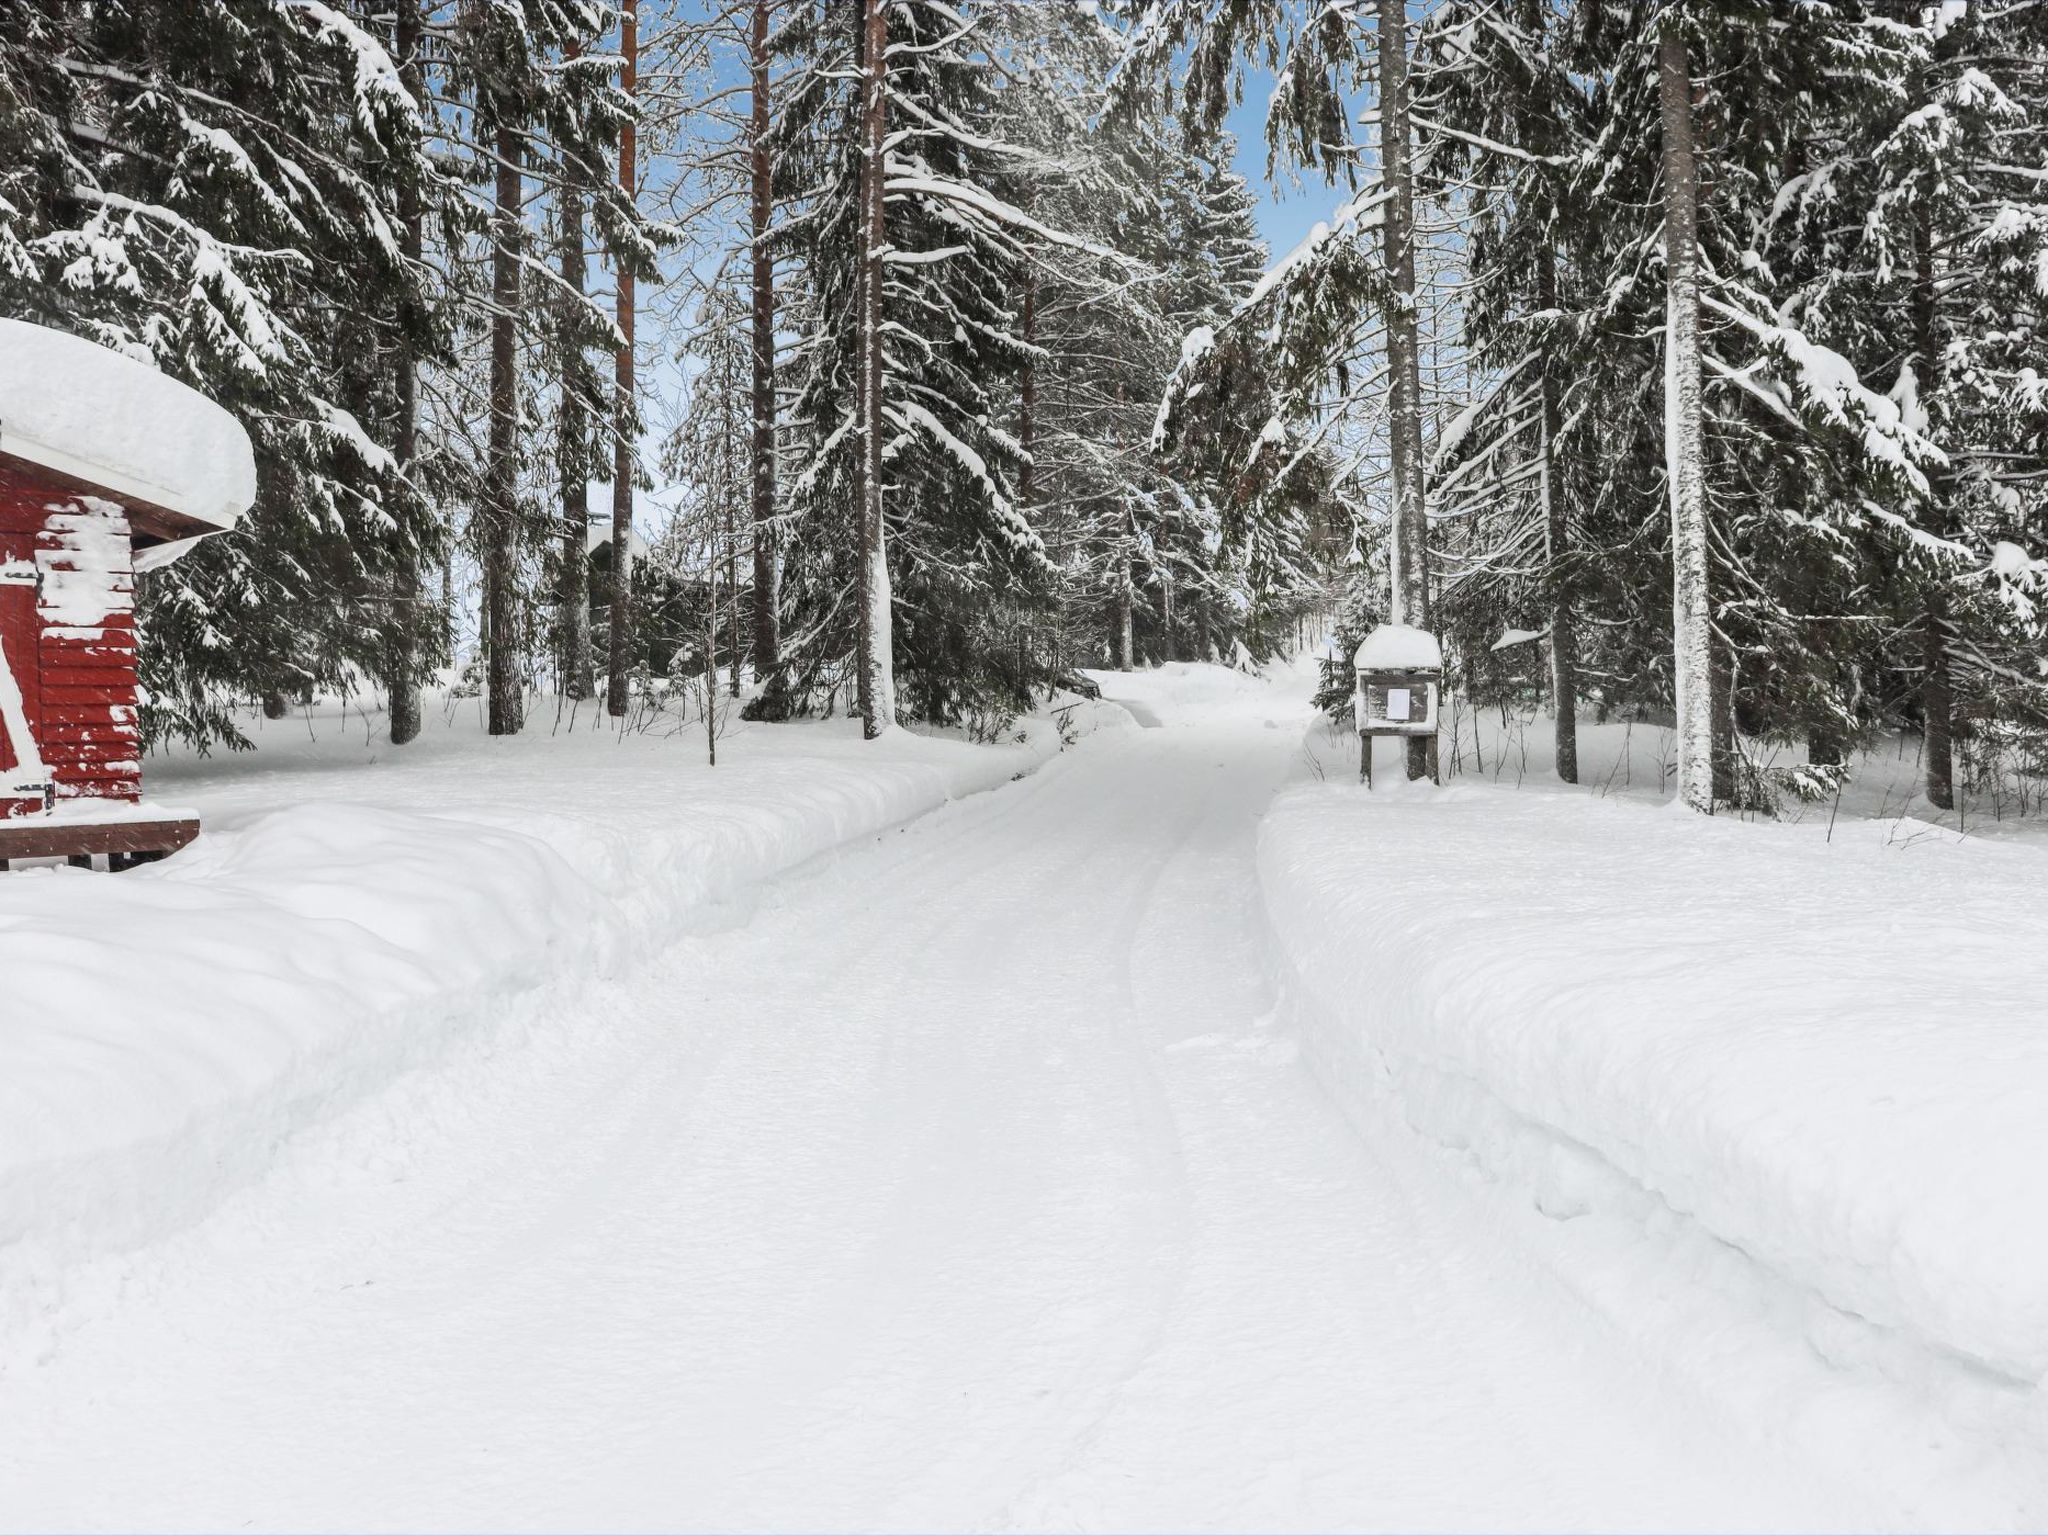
(1286, 212)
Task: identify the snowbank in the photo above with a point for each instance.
(350, 909)
(122, 425)
(1780, 1100)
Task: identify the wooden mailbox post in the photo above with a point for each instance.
(1400, 675)
(107, 467)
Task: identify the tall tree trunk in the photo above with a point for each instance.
(1172, 645)
(401, 666)
(623, 456)
(877, 682)
(767, 592)
(1126, 596)
(1937, 686)
(1564, 647)
(579, 676)
(728, 530)
(1127, 544)
(1684, 436)
(501, 529)
(711, 649)
(1027, 401)
(1724, 726)
(1410, 545)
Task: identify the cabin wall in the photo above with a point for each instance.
(73, 664)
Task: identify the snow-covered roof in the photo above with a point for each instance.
(1399, 648)
(599, 534)
(117, 425)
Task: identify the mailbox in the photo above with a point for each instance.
(1400, 681)
(1399, 686)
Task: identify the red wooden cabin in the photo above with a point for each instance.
(106, 467)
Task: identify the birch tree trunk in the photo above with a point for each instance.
(1126, 650)
(1684, 459)
(623, 380)
(876, 661)
(1409, 548)
(767, 588)
(579, 676)
(501, 528)
(401, 677)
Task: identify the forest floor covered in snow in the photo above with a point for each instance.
(1624, 759)
(560, 1133)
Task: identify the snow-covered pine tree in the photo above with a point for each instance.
(1357, 274)
(1791, 439)
(706, 458)
(761, 396)
(406, 639)
(1923, 196)
(717, 78)
(1505, 122)
(1098, 343)
(537, 97)
(959, 549)
(216, 187)
(581, 454)
(625, 411)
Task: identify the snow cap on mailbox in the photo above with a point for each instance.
(1399, 648)
(108, 425)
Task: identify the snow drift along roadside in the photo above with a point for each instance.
(164, 1030)
(1778, 1099)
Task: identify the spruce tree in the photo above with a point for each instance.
(219, 188)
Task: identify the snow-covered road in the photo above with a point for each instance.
(962, 1183)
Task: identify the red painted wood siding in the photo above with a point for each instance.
(72, 643)
(21, 638)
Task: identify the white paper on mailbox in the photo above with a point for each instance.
(1397, 703)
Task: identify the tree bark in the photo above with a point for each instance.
(1409, 548)
(1564, 648)
(877, 681)
(1027, 401)
(1126, 603)
(621, 651)
(1684, 438)
(767, 593)
(1937, 686)
(501, 530)
(1724, 727)
(579, 676)
(401, 671)
(728, 531)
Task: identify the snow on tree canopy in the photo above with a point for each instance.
(83, 410)
(1399, 648)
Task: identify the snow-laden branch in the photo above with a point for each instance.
(964, 195)
(1827, 380)
(1361, 213)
